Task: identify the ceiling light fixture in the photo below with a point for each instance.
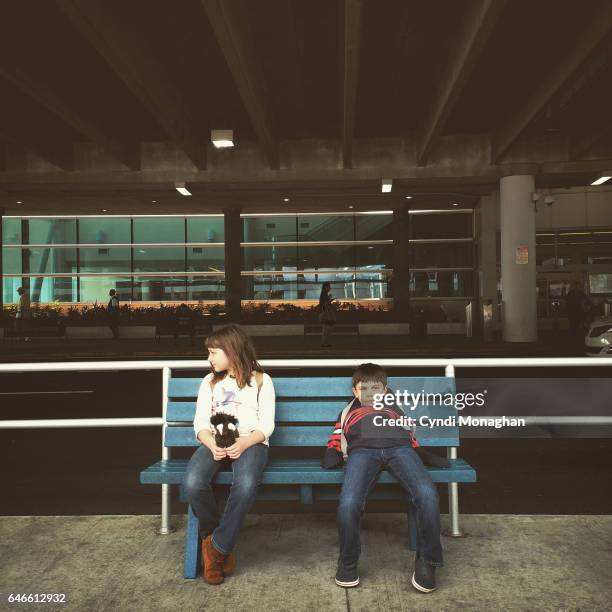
(182, 189)
(408, 197)
(605, 176)
(222, 139)
(387, 185)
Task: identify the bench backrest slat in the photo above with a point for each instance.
(315, 435)
(306, 408)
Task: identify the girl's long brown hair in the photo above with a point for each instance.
(237, 345)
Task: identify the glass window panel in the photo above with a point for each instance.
(326, 227)
(159, 259)
(330, 257)
(44, 289)
(343, 285)
(206, 288)
(373, 227)
(376, 255)
(102, 259)
(104, 230)
(442, 255)
(268, 258)
(600, 284)
(269, 229)
(600, 249)
(270, 287)
(205, 259)
(49, 260)
(11, 231)
(96, 288)
(52, 231)
(159, 288)
(9, 289)
(545, 255)
(164, 229)
(205, 229)
(441, 225)
(11, 261)
(371, 285)
(545, 249)
(441, 284)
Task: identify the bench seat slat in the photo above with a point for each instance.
(297, 471)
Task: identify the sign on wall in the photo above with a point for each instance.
(521, 254)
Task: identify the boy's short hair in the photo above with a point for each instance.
(369, 372)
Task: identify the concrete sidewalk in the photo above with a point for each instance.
(287, 562)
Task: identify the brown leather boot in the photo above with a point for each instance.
(229, 563)
(215, 564)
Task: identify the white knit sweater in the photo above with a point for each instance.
(241, 403)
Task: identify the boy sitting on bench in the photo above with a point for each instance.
(368, 447)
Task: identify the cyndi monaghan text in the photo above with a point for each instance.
(451, 421)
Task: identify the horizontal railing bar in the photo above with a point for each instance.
(155, 421)
(55, 423)
(190, 364)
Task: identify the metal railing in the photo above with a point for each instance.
(166, 366)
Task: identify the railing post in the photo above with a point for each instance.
(165, 527)
(453, 487)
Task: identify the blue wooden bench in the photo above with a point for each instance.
(306, 408)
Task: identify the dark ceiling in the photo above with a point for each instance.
(293, 70)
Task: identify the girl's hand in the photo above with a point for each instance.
(237, 448)
(217, 452)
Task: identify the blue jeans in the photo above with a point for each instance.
(247, 474)
(360, 474)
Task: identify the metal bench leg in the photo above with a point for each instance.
(193, 550)
(165, 527)
(453, 501)
(412, 531)
(306, 496)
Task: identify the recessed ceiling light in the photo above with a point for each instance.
(408, 197)
(19, 202)
(182, 189)
(350, 206)
(104, 210)
(285, 199)
(222, 139)
(153, 201)
(606, 176)
(455, 203)
(387, 185)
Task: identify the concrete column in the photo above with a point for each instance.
(487, 264)
(401, 270)
(518, 280)
(233, 263)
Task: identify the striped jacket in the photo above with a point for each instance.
(354, 428)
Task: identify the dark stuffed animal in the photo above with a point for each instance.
(226, 429)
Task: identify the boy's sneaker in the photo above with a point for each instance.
(347, 577)
(424, 576)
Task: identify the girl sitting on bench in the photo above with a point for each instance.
(237, 386)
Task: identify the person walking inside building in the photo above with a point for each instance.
(23, 315)
(113, 313)
(327, 313)
(578, 307)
